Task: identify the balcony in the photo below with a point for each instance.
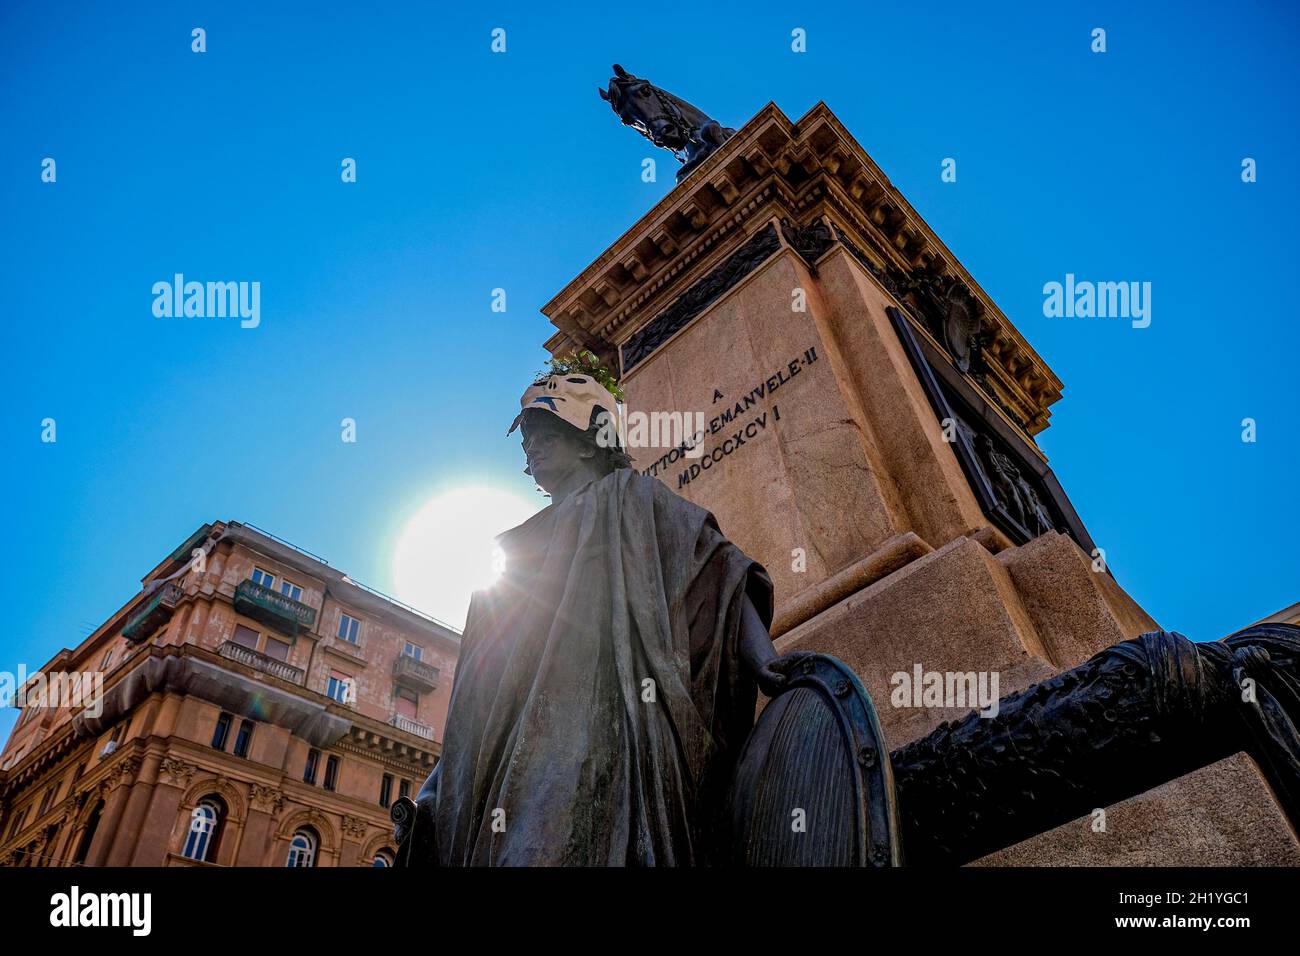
(155, 612)
(411, 726)
(415, 674)
(273, 608)
(260, 662)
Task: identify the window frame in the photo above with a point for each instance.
(222, 730)
(355, 629)
(202, 846)
(305, 851)
(347, 682)
(243, 738)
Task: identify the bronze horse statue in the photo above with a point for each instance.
(667, 121)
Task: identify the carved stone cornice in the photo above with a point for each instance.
(808, 175)
(392, 749)
(266, 799)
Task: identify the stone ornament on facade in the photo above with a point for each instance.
(354, 828)
(123, 773)
(265, 799)
(233, 794)
(311, 817)
(178, 772)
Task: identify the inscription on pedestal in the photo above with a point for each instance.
(729, 418)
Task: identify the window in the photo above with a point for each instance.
(47, 800)
(221, 732)
(413, 650)
(88, 835)
(386, 790)
(340, 688)
(383, 858)
(406, 701)
(244, 738)
(309, 772)
(331, 772)
(246, 637)
(290, 590)
(205, 829)
(108, 659)
(349, 628)
(18, 820)
(76, 774)
(276, 649)
(302, 848)
(404, 789)
(264, 578)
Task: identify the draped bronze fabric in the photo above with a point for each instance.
(599, 701)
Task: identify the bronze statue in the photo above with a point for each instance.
(666, 120)
(602, 711)
(607, 681)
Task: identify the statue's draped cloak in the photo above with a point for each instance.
(555, 730)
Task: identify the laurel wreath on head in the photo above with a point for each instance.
(582, 362)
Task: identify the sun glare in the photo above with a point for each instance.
(446, 552)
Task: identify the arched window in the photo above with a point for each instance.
(383, 858)
(88, 835)
(302, 848)
(205, 830)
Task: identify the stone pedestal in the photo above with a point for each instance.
(1221, 815)
(862, 420)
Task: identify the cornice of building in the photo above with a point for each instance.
(804, 172)
(343, 588)
(199, 672)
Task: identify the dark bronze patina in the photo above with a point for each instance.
(666, 120)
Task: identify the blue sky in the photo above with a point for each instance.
(478, 170)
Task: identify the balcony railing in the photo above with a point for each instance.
(268, 665)
(415, 673)
(156, 612)
(273, 608)
(411, 726)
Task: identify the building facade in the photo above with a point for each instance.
(257, 708)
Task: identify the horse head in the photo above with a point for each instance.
(653, 113)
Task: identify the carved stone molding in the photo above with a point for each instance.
(810, 241)
(354, 828)
(264, 798)
(123, 773)
(177, 771)
(700, 296)
(815, 179)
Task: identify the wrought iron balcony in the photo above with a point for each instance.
(411, 726)
(273, 608)
(268, 665)
(155, 612)
(415, 674)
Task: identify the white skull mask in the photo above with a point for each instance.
(572, 398)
